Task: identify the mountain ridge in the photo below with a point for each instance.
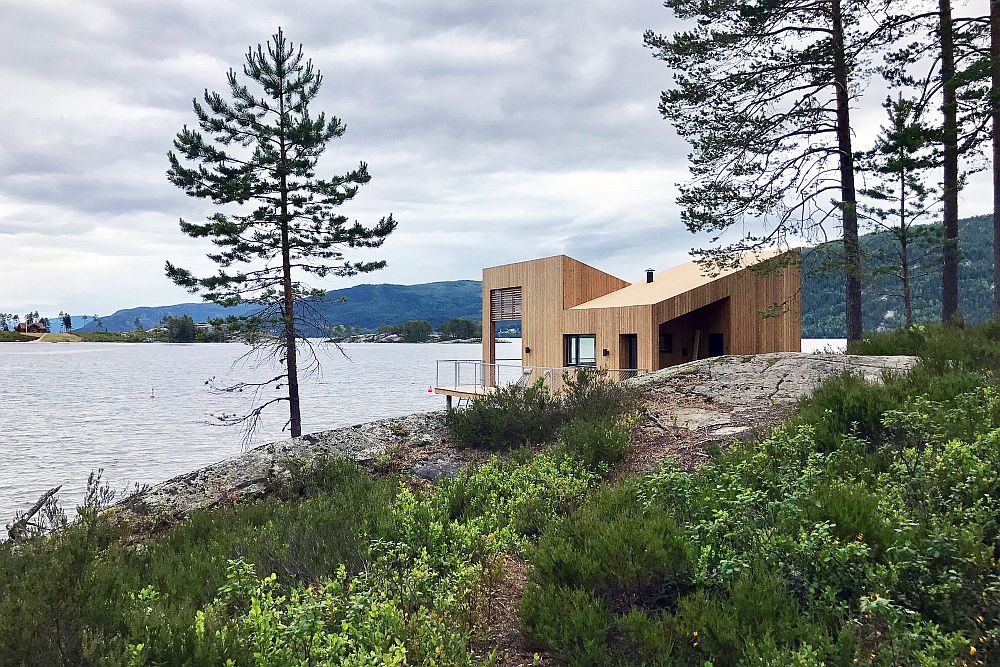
(369, 306)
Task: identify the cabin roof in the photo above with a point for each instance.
(672, 282)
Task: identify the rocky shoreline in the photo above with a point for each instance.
(714, 400)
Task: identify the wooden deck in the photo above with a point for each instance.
(464, 391)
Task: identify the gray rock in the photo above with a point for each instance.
(698, 418)
(435, 471)
(251, 475)
(780, 377)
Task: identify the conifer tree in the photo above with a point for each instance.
(257, 153)
(994, 107)
(901, 199)
(763, 94)
(952, 81)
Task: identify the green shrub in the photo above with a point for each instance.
(725, 627)
(82, 581)
(939, 346)
(510, 416)
(863, 531)
(612, 557)
(515, 415)
(598, 442)
(508, 501)
(846, 405)
(625, 552)
(854, 512)
(570, 622)
(590, 393)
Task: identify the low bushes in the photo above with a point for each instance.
(507, 417)
(939, 346)
(597, 442)
(339, 569)
(864, 531)
(515, 415)
(81, 582)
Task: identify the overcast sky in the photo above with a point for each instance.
(494, 132)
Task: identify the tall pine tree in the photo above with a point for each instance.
(900, 199)
(995, 126)
(256, 153)
(955, 82)
(763, 93)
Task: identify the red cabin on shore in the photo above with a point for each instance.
(34, 327)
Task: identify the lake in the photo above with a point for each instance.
(68, 409)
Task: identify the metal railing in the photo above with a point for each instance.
(477, 377)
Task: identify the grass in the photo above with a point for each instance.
(12, 337)
(103, 337)
(60, 338)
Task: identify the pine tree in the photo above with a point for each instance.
(951, 81)
(902, 201)
(994, 107)
(763, 93)
(257, 153)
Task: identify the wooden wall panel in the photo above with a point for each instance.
(582, 282)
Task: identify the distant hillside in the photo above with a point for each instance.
(366, 306)
(370, 306)
(823, 295)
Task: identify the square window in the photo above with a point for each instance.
(581, 350)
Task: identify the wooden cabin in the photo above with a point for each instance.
(31, 328)
(573, 314)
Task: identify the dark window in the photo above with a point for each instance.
(581, 350)
(667, 343)
(716, 345)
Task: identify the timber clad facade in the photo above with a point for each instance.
(573, 314)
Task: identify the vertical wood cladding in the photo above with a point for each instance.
(731, 305)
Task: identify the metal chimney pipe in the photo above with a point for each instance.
(649, 275)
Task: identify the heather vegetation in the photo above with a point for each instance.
(863, 531)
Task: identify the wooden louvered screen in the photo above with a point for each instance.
(505, 304)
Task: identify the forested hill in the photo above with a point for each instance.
(365, 306)
(370, 306)
(823, 295)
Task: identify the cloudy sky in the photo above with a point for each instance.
(494, 131)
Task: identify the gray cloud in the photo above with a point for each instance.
(495, 131)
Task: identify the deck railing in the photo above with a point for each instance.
(470, 376)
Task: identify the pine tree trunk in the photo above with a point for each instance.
(848, 196)
(904, 262)
(995, 108)
(904, 251)
(949, 110)
(291, 356)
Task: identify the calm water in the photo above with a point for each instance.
(67, 409)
